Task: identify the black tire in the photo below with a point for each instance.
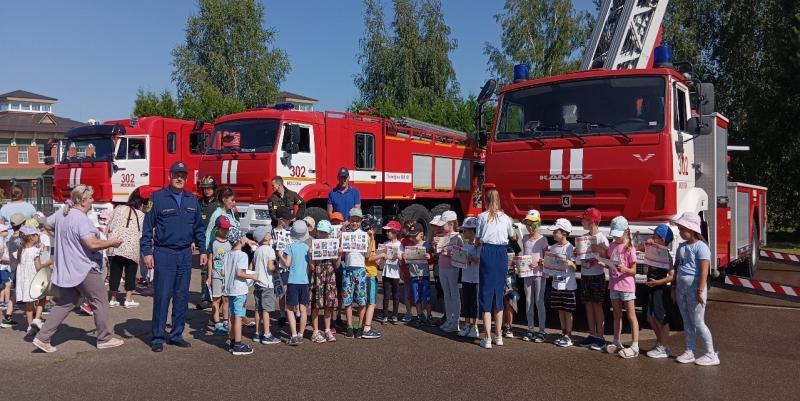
(420, 214)
(317, 213)
(755, 252)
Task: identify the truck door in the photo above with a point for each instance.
(368, 176)
(131, 166)
(298, 170)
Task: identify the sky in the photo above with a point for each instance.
(93, 55)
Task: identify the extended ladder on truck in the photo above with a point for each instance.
(624, 35)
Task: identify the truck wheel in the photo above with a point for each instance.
(420, 214)
(317, 213)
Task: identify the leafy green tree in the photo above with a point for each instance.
(548, 35)
(149, 104)
(227, 57)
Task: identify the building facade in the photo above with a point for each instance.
(27, 123)
(302, 103)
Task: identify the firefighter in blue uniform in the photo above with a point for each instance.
(171, 227)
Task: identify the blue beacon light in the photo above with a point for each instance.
(521, 72)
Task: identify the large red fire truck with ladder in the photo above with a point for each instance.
(403, 168)
(628, 134)
(118, 156)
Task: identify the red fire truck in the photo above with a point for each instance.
(630, 135)
(118, 156)
(403, 168)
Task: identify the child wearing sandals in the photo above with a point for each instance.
(323, 289)
(622, 287)
(658, 294)
(562, 297)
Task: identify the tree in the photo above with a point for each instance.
(375, 56)
(545, 34)
(437, 73)
(149, 104)
(226, 63)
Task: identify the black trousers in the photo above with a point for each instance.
(391, 286)
(120, 264)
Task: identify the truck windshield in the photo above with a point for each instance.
(244, 136)
(601, 106)
(87, 149)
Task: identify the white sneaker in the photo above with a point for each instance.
(686, 357)
(453, 328)
(113, 342)
(486, 343)
(613, 347)
(709, 359)
(473, 332)
(659, 352)
(131, 304)
(463, 332)
(113, 303)
(38, 323)
(498, 340)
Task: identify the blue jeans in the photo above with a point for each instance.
(173, 271)
(693, 314)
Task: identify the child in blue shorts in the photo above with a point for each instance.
(296, 257)
(354, 280)
(235, 276)
(419, 272)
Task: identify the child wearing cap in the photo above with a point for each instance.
(354, 279)
(622, 286)
(449, 274)
(296, 256)
(216, 257)
(390, 259)
(419, 281)
(593, 279)
(323, 289)
(235, 288)
(436, 225)
(692, 263)
(562, 297)
(470, 279)
(264, 288)
(659, 300)
(29, 263)
(534, 245)
(337, 219)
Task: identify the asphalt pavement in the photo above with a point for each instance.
(756, 338)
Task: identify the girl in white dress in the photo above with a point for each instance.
(29, 264)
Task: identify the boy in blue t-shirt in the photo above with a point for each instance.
(296, 256)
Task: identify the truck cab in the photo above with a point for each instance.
(644, 143)
(118, 156)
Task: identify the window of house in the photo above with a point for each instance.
(4, 153)
(22, 154)
(365, 151)
(171, 143)
(40, 153)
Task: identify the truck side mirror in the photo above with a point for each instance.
(294, 139)
(697, 126)
(705, 99)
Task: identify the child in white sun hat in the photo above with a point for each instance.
(562, 297)
(692, 261)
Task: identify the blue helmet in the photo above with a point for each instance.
(663, 231)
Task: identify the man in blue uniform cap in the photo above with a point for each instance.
(171, 226)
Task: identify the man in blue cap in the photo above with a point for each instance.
(171, 226)
(344, 197)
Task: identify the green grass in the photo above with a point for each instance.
(783, 241)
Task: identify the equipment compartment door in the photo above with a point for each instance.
(131, 166)
(300, 169)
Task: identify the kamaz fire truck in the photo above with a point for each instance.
(118, 156)
(629, 134)
(403, 168)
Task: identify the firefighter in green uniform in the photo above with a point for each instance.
(282, 196)
(208, 204)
